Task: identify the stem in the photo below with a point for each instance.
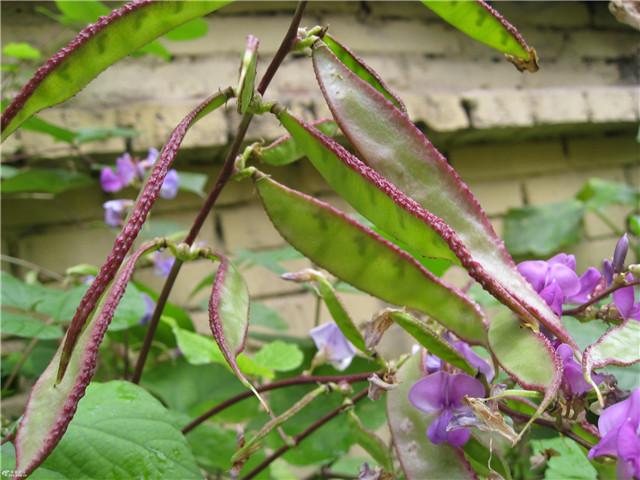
(546, 423)
(26, 264)
(221, 181)
(605, 293)
(288, 382)
(309, 430)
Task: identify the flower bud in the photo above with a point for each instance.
(620, 253)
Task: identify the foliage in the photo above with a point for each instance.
(488, 364)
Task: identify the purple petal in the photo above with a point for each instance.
(535, 271)
(615, 415)
(438, 431)
(162, 263)
(553, 295)
(331, 341)
(432, 363)
(573, 381)
(109, 181)
(629, 450)
(149, 307)
(170, 185)
(608, 445)
(607, 270)
(115, 211)
(125, 169)
(461, 385)
(565, 259)
(620, 254)
(623, 300)
(429, 394)
(588, 282)
(566, 278)
(474, 359)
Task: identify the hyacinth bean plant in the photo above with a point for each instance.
(494, 375)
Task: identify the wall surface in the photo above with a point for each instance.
(515, 138)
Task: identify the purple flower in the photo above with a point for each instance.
(573, 382)
(433, 364)
(443, 394)
(557, 282)
(124, 174)
(162, 263)
(147, 163)
(115, 211)
(149, 307)
(170, 185)
(619, 427)
(333, 344)
(624, 300)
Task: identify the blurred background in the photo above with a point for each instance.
(553, 157)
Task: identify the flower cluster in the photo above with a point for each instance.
(619, 427)
(132, 171)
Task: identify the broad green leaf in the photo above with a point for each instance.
(196, 28)
(16, 293)
(482, 23)
(94, 134)
(403, 163)
(598, 194)
(543, 230)
(279, 356)
(481, 456)
(634, 225)
(286, 149)
(419, 458)
(568, 462)
(371, 443)
(269, 259)
(85, 11)
(193, 182)
(357, 66)
(618, 346)
(8, 463)
(21, 51)
(263, 316)
(22, 325)
(37, 124)
(197, 349)
(360, 257)
(97, 47)
(433, 342)
(154, 48)
(45, 181)
(131, 430)
(247, 79)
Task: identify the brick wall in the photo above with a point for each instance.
(515, 138)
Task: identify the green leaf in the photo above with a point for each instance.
(357, 66)
(482, 23)
(7, 171)
(481, 456)
(263, 316)
(110, 39)
(371, 443)
(598, 194)
(37, 124)
(94, 134)
(568, 462)
(543, 230)
(21, 51)
(286, 149)
(193, 182)
(132, 432)
(39, 180)
(8, 463)
(196, 28)
(247, 75)
(86, 11)
(197, 349)
(358, 256)
(419, 458)
(270, 259)
(634, 225)
(26, 326)
(154, 48)
(15, 293)
(433, 342)
(279, 356)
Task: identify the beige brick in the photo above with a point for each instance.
(602, 45)
(545, 14)
(592, 253)
(497, 197)
(262, 282)
(560, 106)
(572, 73)
(613, 104)
(508, 161)
(459, 74)
(591, 152)
(297, 310)
(500, 108)
(616, 216)
(248, 227)
(360, 307)
(442, 112)
(561, 187)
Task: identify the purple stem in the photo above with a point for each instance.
(604, 294)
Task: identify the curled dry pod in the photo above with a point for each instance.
(362, 258)
(419, 458)
(94, 49)
(52, 404)
(136, 219)
(390, 144)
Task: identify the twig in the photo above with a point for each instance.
(223, 178)
(308, 431)
(545, 423)
(605, 293)
(289, 382)
(27, 264)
